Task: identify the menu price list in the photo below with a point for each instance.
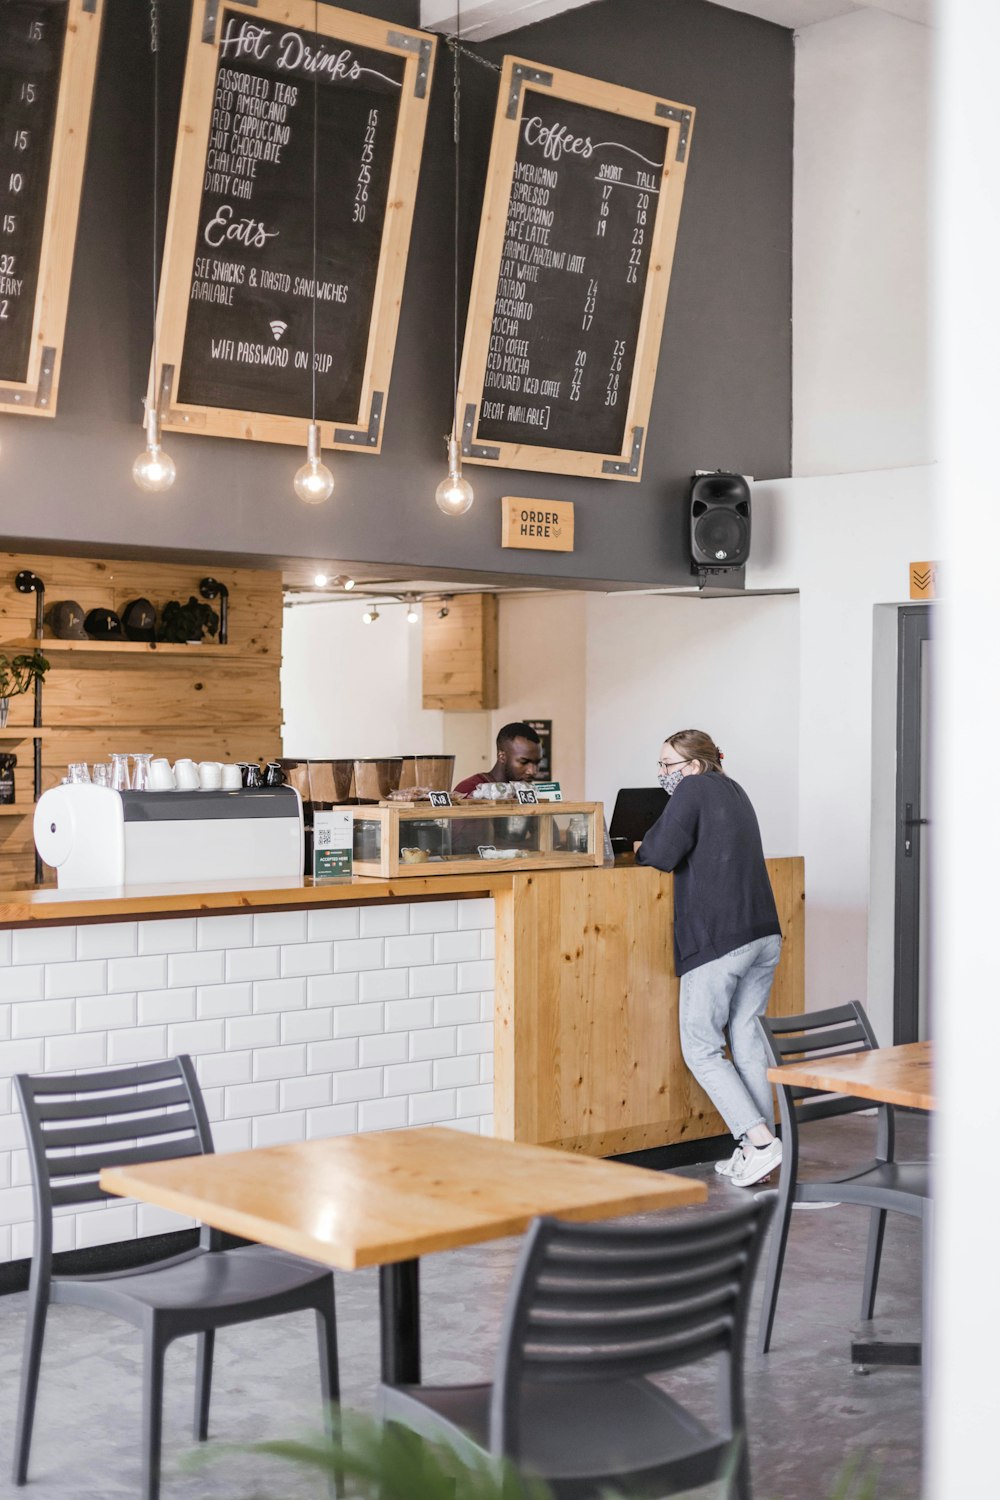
(32, 35)
(565, 323)
(248, 341)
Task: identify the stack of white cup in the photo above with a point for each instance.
(186, 776)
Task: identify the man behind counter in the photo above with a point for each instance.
(519, 752)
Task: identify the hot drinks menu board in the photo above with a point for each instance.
(293, 191)
(48, 54)
(573, 265)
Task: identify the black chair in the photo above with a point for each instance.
(883, 1185)
(593, 1312)
(75, 1126)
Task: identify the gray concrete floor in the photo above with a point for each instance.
(809, 1412)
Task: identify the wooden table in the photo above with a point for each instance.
(388, 1197)
(889, 1075)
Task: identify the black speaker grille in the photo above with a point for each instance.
(721, 535)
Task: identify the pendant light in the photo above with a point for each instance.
(154, 471)
(454, 494)
(314, 482)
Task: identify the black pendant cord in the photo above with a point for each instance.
(457, 135)
(315, 197)
(154, 47)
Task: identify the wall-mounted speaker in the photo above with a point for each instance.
(720, 522)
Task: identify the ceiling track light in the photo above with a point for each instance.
(412, 613)
(370, 615)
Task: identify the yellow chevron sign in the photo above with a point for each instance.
(923, 580)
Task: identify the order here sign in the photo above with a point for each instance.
(546, 525)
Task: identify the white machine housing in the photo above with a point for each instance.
(96, 837)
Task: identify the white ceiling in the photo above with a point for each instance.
(482, 19)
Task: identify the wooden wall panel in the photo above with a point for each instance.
(208, 702)
(460, 654)
(587, 1048)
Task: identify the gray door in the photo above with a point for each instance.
(913, 1008)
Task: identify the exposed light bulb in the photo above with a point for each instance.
(454, 495)
(321, 580)
(313, 482)
(154, 470)
(412, 616)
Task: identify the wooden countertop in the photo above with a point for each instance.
(20, 908)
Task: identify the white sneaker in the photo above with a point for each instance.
(756, 1164)
(727, 1168)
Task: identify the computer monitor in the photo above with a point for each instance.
(636, 810)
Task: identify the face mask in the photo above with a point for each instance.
(672, 782)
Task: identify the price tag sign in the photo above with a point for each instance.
(440, 799)
(547, 791)
(526, 795)
(333, 845)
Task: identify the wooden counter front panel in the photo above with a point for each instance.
(587, 1048)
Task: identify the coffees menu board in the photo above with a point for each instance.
(48, 55)
(294, 181)
(568, 298)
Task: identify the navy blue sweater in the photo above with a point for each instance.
(709, 837)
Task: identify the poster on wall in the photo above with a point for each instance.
(293, 191)
(569, 293)
(48, 58)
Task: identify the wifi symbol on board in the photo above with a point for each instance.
(278, 328)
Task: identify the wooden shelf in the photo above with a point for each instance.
(22, 732)
(121, 648)
(17, 812)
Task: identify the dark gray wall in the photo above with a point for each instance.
(723, 391)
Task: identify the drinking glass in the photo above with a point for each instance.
(140, 776)
(120, 780)
(102, 774)
(79, 771)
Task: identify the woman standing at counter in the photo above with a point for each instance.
(727, 941)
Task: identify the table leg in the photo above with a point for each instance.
(399, 1306)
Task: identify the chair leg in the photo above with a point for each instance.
(154, 1354)
(203, 1384)
(34, 1334)
(873, 1260)
(776, 1257)
(739, 1485)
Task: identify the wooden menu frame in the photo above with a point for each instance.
(36, 395)
(517, 76)
(417, 49)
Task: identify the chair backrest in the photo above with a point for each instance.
(837, 1032)
(607, 1302)
(78, 1123)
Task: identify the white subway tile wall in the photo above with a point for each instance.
(301, 1025)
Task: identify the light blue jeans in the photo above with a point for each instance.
(728, 994)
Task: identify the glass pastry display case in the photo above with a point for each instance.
(399, 838)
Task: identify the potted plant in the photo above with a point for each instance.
(17, 675)
(187, 623)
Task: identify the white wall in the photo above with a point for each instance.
(350, 689)
(966, 1324)
(656, 664)
(543, 653)
(860, 245)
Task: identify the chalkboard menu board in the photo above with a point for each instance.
(569, 293)
(266, 100)
(48, 54)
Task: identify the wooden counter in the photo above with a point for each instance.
(585, 1037)
(26, 908)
